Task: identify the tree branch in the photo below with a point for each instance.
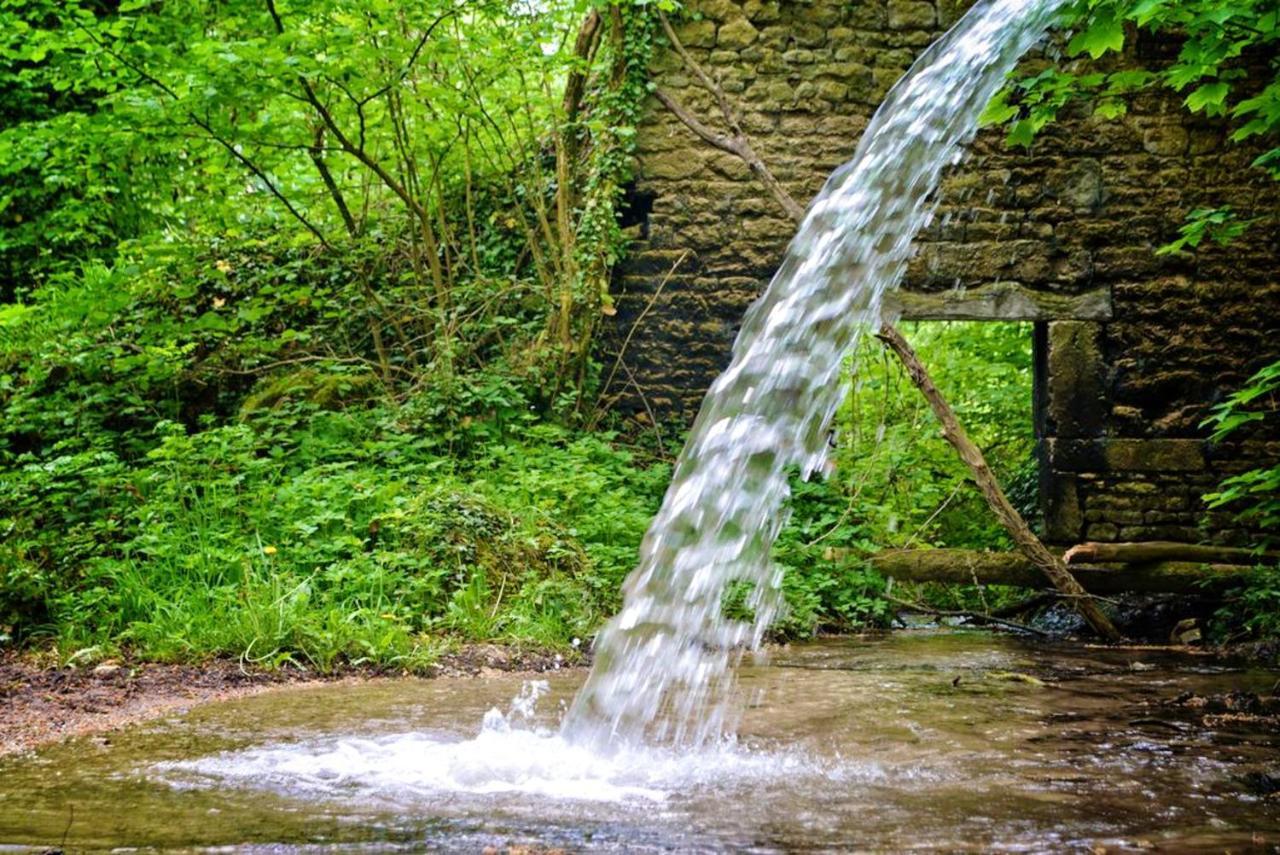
(1026, 541)
(205, 126)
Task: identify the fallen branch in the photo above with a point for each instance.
(962, 566)
(1157, 550)
(1026, 541)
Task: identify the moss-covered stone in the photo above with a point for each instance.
(735, 34)
(911, 15)
(1137, 347)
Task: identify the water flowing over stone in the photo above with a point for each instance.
(663, 665)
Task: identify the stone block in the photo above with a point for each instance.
(736, 34)
(1155, 455)
(1126, 455)
(762, 11)
(833, 91)
(911, 15)
(798, 56)
(1102, 532)
(1166, 139)
(1063, 517)
(718, 10)
(1076, 386)
(697, 33)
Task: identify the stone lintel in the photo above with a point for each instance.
(1000, 301)
(1126, 455)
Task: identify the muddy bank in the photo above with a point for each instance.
(40, 704)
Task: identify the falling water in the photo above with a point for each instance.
(664, 664)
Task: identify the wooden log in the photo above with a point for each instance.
(1160, 550)
(1024, 538)
(965, 566)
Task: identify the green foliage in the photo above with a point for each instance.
(1258, 603)
(1221, 225)
(1219, 41)
(260, 255)
(898, 471)
(318, 537)
(1256, 492)
(897, 483)
(1255, 497)
(479, 147)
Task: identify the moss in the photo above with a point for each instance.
(326, 390)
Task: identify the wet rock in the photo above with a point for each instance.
(1185, 632)
(1265, 783)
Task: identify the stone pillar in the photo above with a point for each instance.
(1071, 404)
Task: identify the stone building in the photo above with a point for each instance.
(1131, 349)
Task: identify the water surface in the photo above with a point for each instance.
(918, 740)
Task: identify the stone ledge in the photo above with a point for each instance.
(1002, 301)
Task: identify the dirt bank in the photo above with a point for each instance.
(40, 704)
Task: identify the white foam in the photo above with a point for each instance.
(503, 758)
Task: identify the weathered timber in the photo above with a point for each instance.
(1001, 301)
(965, 566)
(1024, 538)
(1159, 550)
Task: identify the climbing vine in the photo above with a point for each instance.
(618, 100)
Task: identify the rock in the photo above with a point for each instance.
(762, 11)
(738, 33)
(1263, 783)
(106, 669)
(697, 33)
(1167, 139)
(1185, 632)
(911, 15)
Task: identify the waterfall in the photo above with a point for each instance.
(664, 664)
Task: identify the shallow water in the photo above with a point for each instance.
(848, 744)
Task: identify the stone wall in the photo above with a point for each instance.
(1131, 348)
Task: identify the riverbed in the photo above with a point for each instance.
(926, 739)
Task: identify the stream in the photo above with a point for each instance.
(931, 739)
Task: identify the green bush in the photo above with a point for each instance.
(322, 537)
(1254, 495)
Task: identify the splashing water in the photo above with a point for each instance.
(513, 755)
(664, 663)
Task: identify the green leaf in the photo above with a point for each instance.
(1208, 98)
(1022, 133)
(1145, 10)
(998, 111)
(1110, 108)
(1105, 32)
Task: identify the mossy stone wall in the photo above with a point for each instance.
(1132, 348)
